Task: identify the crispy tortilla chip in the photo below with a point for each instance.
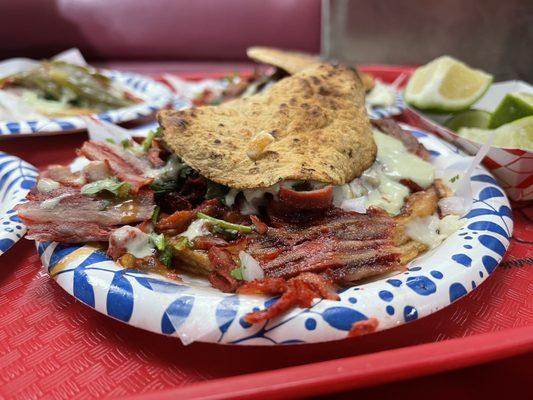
(311, 126)
(294, 62)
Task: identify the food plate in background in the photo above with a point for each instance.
(17, 177)
(154, 96)
(194, 311)
(513, 167)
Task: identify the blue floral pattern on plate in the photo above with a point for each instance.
(193, 311)
(155, 96)
(17, 177)
(385, 112)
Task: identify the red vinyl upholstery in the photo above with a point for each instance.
(145, 30)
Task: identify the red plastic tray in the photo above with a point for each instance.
(53, 346)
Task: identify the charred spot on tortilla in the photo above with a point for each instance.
(314, 133)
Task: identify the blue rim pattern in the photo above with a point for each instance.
(155, 95)
(193, 311)
(17, 177)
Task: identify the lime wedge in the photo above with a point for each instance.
(446, 85)
(513, 106)
(517, 134)
(469, 119)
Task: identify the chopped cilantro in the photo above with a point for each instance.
(164, 187)
(147, 142)
(126, 143)
(454, 178)
(155, 214)
(224, 224)
(159, 241)
(237, 274)
(165, 256)
(181, 243)
(232, 233)
(112, 185)
(161, 244)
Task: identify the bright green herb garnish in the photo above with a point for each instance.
(181, 243)
(161, 244)
(155, 214)
(224, 224)
(147, 142)
(112, 185)
(453, 179)
(237, 274)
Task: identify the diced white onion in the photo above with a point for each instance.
(381, 95)
(230, 197)
(53, 202)
(425, 230)
(251, 270)
(453, 205)
(46, 185)
(78, 164)
(431, 230)
(357, 205)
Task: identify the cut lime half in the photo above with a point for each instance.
(513, 106)
(446, 85)
(469, 119)
(514, 135)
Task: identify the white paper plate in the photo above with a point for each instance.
(17, 177)
(155, 96)
(194, 311)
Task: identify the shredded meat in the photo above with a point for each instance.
(413, 186)
(154, 156)
(70, 217)
(296, 292)
(411, 143)
(67, 232)
(361, 328)
(260, 226)
(172, 201)
(223, 263)
(206, 242)
(123, 164)
(63, 175)
(180, 220)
